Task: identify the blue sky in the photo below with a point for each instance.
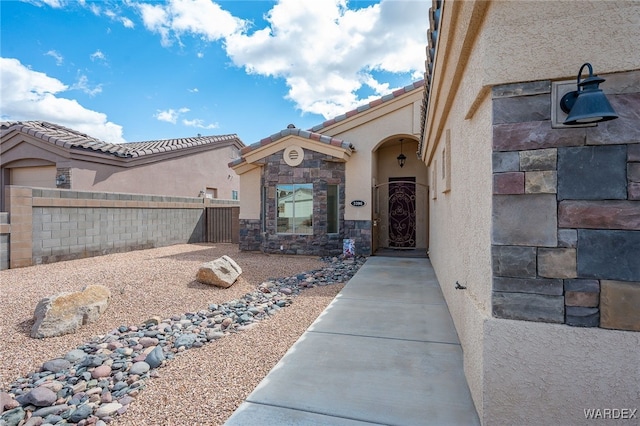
(131, 71)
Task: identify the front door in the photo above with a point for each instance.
(402, 212)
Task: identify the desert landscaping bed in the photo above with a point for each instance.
(201, 386)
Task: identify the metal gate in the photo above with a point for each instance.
(400, 212)
(222, 225)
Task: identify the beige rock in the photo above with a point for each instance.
(7, 402)
(66, 312)
(619, 301)
(222, 272)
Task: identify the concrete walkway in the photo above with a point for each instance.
(385, 351)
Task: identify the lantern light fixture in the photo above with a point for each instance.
(588, 104)
(401, 158)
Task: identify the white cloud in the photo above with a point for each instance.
(194, 90)
(156, 19)
(199, 124)
(93, 7)
(55, 55)
(113, 14)
(324, 51)
(98, 56)
(128, 23)
(83, 84)
(170, 115)
(51, 3)
(201, 18)
(32, 95)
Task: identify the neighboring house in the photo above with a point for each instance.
(538, 220)
(305, 191)
(47, 155)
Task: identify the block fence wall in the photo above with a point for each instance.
(566, 210)
(51, 225)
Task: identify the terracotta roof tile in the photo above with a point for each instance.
(287, 132)
(72, 139)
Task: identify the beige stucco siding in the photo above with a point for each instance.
(538, 373)
(539, 40)
(250, 188)
(460, 233)
(366, 133)
(518, 372)
(38, 176)
(176, 170)
(180, 176)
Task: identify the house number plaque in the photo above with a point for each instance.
(358, 203)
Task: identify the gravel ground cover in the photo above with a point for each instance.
(202, 387)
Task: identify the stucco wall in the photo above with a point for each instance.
(518, 372)
(180, 176)
(395, 119)
(460, 225)
(548, 374)
(540, 40)
(251, 188)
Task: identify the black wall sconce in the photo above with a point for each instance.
(401, 158)
(61, 180)
(588, 104)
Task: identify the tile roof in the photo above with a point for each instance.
(295, 132)
(313, 132)
(435, 12)
(374, 103)
(73, 139)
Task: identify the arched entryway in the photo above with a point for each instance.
(399, 199)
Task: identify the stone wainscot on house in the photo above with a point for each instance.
(47, 155)
(354, 177)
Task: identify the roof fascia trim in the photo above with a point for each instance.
(273, 147)
(370, 112)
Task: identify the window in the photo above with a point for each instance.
(234, 194)
(264, 208)
(332, 209)
(446, 163)
(295, 208)
(211, 193)
(434, 180)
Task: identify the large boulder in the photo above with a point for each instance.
(222, 272)
(64, 313)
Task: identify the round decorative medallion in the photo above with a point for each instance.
(293, 155)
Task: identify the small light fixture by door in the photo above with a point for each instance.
(401, 158)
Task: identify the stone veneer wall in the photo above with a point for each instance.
(318, 169)
(66, 172)
(250, 234)
(566, 210)
(360, 232)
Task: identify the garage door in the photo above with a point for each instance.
(39, 177)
